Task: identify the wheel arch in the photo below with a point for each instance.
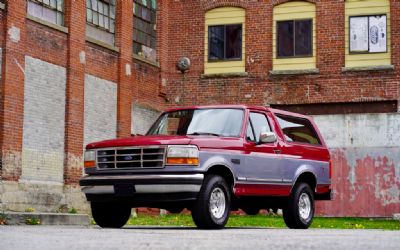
(306, 177)
(223, 171)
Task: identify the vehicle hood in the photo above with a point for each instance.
(200, 141)
(141, 141)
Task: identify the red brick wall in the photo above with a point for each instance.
(12, 84)
(186, 38)
(65, 49)
(46, 44)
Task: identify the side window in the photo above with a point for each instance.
(259, 124)
(298, 130)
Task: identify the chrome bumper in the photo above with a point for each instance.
(143, 184)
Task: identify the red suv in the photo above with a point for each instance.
(212, 160)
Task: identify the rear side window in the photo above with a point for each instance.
(298, 130)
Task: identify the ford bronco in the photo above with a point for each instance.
(211, 160)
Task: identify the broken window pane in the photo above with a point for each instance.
(144, 33)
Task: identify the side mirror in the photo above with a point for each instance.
(267, 137)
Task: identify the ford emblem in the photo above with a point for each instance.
(128, 158)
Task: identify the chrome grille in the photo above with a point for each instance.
(131, 158)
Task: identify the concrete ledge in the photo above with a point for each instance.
(102, 44)
(48, 24)
(294, 72)
(225, 75)
(16, 218)
(369, 68)
(142, 59)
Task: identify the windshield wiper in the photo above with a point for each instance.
(204, 133)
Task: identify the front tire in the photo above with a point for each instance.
(299, 210)
(213, 205)
(110, 215)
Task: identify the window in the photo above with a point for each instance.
(101, 13)
(298, 130)
(368, 34)
(294, 38)
(144, 28)
(100, 19)
(258, 123)
(48, 10)
(225, 42)
(225, 122)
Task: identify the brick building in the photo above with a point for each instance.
(80, 71)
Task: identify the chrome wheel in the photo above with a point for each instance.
(217, 203)
(304, 206)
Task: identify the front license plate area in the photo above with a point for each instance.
(124, 189)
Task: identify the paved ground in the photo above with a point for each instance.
(62, 237)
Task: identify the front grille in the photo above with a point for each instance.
(131, 158)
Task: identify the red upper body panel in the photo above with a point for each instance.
(293, 149)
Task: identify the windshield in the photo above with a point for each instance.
(216, 122)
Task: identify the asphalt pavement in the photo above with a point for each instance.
(68, 237)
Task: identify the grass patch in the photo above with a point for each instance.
(268, 221)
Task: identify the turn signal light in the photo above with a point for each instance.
(90, 164)
(183, 161)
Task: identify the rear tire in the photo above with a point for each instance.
(298, 212)
(110, 215)
(213, 205)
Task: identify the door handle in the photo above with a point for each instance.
(277, 151)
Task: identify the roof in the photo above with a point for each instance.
(240, 106)
(235, 106)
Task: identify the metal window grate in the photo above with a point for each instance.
(130, 158)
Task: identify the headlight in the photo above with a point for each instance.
(183, 155)
(90, 158)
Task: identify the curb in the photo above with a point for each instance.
(15, 218)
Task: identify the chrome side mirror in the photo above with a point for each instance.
(267, 137)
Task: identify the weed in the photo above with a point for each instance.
(73, 210)
(32, 221)
(3, 219)
(29, 210)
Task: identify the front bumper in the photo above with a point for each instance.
(149, 188)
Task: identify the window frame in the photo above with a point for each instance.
(108, 15)
(209, 44)
(250, 123)
(152, 11)
(48, 6)
(368, 52)
(317, 135)
(294, 39)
